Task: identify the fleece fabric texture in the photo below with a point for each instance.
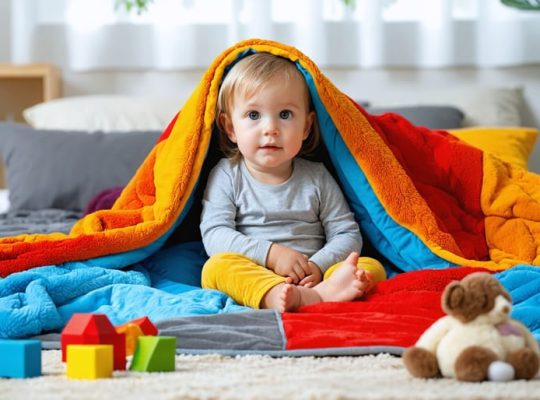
(450, 199)
(423, 198)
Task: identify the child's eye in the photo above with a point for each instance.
(285, 114)
(253, 115)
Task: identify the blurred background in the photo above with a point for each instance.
(463, 53)
(111, 45)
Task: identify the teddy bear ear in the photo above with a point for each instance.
(453, 297)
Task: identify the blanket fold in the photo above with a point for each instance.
(464, 206)
(423, 198)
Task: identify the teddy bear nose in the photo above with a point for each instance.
(506, 309)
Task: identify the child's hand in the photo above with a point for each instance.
(287, 262)
(313, 277)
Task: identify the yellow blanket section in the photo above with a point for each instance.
(511, 204)
(510, 194)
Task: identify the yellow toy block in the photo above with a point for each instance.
(131, 332)
(86, 361)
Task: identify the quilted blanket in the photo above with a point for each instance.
(426, 202)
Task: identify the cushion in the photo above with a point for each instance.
(104, 200)
(433, 117)
(103, 113)
(60, 169)
(513, 145)
(482, 105)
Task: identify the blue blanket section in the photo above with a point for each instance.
(523, 284)
(163, 286)
(44, 299)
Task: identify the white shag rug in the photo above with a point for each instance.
(261, 377)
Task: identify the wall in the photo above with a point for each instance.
(375, 85)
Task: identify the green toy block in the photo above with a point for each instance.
(154, 354)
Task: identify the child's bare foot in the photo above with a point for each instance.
(290, 298)
(347, 283)
(293, 297)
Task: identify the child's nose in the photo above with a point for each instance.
(270, 127)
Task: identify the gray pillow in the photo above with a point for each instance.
(64, 169)
(433, 117)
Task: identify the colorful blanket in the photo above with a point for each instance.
(425, 201)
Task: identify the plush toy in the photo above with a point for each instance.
(477, 340)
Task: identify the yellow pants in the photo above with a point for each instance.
(247, 282)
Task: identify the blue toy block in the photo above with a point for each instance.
(20, 358)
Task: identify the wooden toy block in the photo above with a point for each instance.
(147, 327)
(20, 358)
(94, 329)
(154, 354)
(131, 333)
(86, 361)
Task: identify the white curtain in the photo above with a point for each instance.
(89, 35)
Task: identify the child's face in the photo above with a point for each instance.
(270, 126)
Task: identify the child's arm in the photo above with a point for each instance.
(342, 232)
(218, 226)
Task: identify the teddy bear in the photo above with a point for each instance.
(477, 340)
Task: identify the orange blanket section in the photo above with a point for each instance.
(511, 204)
(448, 175)
(427, 182)
(146, 209)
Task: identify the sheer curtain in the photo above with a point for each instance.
(187, 34)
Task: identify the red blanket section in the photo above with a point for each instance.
(446, 172)
(396, 313)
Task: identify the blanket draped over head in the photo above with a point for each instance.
(425, 201)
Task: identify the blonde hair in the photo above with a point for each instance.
(245, 78)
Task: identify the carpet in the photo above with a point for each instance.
(379, 376)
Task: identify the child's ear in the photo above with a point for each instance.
(309, 123)
(226, 124)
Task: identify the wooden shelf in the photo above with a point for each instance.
(22, 86)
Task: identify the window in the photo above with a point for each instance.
(187, 34)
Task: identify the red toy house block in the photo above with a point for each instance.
(147, 327)
(94, 329)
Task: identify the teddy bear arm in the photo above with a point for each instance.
(430, 339)
(421, 359)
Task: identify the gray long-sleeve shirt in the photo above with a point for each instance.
(308, 213)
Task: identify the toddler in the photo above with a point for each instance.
(273, 223)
